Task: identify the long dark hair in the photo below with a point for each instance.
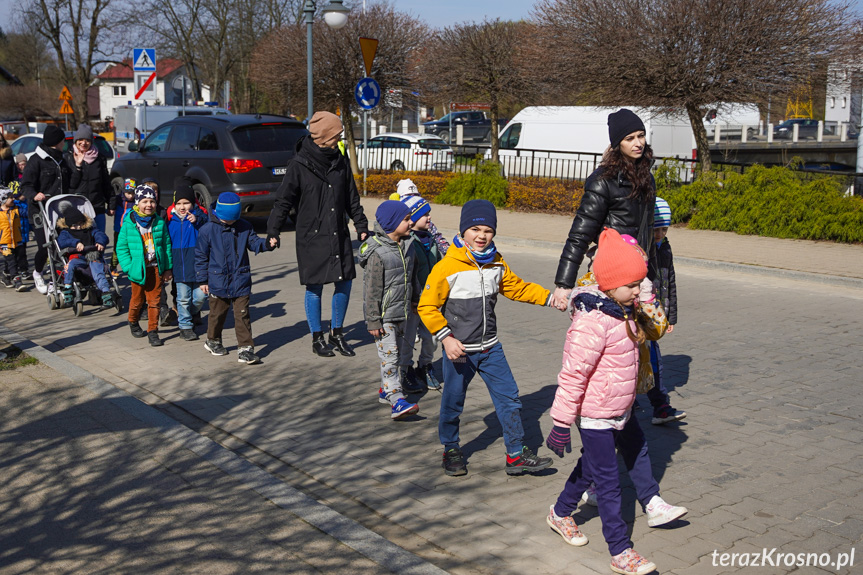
(637, 172)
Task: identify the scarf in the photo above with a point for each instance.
(589, 301)
(424, 238)
(140, 219)
(482, 258)
(91, 155)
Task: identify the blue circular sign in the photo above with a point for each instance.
(367, 93)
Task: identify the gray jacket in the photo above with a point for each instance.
(389, 279)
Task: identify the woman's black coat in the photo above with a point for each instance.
(91, 181)
(319, 184)
(606, 203)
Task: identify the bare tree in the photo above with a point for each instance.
(490, 61)
(692, 54)
(278, 68)
(78, 32)
(28, 55)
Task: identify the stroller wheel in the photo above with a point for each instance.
(79, 308)
(52, 303)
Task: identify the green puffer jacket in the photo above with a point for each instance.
(130, 248)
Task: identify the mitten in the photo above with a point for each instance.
(93, 256)
(6, 251)
(278, 242)
(559, 440)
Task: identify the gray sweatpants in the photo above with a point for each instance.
(427, 344)
(395, 350)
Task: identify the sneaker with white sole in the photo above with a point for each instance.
(631, 563)
(589, 496)
(215, 347)
(659, 512)
(666, 414)
(566, 528)
(39, 283)
(402, 408)
(382, 396)
(247, 355)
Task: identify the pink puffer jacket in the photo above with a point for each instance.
(600, 366)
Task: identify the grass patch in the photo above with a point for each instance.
(15, 358)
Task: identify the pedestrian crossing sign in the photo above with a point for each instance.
(66, 109)
(144, 59)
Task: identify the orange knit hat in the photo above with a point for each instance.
(617, 263)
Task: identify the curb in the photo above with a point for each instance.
(347, 531)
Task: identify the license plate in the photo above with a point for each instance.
(279, 171)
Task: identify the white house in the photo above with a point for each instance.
(844, 87)
(116, 86)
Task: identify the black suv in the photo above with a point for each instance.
(242, 153)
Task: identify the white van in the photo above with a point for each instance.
(129, 121)
(568, 141)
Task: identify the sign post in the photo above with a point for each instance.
(144, 69)
(66, 108)
(369, 47)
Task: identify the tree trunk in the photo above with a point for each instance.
(495, 146)
(350, 142)
(700, 133)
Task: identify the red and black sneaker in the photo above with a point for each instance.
(526, 462)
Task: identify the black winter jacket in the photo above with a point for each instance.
(665, 284)
(606, 203)
(7, 166)
(320, 186)
(91, 181)
(46, 172)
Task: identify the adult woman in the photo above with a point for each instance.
(319, 184)
(620, 194)
(7, 162)
(90, 173)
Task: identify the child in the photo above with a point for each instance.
(407, 189)
(167, 314)
(120, 206)
(144, 251)
(222, 269)
(185, 218)
(389, 294)
(596, 391)
(11, 243)
(20, 164)
(427, 255)
(24, 213)
(457, 306)
(77, 231)
(665, 287)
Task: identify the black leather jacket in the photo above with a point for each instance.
(606, 203)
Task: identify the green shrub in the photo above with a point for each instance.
(384, 183)
(487, 183)
(776, 202)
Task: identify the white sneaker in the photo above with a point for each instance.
(659, 512)
(40, 283)
(589, 496)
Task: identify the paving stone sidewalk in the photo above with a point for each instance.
(769, 455)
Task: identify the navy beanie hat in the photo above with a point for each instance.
(183, 190)
(53, 136)
(228, 207)
(390, 214)
(478, 212)
(622, 123)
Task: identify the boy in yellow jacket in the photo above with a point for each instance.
(457, 306)
(11, 242)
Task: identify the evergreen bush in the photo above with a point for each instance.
(486, 183)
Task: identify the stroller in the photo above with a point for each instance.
(83, 286)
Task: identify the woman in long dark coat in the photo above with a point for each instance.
(90, 173)
(319, 184)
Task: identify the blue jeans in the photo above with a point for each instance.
(341, 297)
(190, 300)
(99, 220)
(598, 465)
(97, 270)
(495, 372)
(657, 395)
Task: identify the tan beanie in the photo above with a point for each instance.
(325, 128)
(617, 263)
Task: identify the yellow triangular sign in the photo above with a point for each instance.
(369, 46)
(66, 109)
(65, 95)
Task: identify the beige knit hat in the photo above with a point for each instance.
(325, 128)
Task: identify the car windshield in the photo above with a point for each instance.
(268, 137)
(433, 144)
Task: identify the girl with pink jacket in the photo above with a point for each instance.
(596, 391)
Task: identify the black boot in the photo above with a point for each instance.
(319, 345)
(136, 329)
(337, 340)
(153, 336)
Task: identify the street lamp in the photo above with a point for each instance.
(336, 16)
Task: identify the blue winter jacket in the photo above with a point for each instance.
(222, 257)
(25, 220)
(184, 236)
(67, 238)
(121, 207)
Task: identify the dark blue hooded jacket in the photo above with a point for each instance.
(184, 236)
(222, 257)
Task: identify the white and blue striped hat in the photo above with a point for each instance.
(661, 214)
